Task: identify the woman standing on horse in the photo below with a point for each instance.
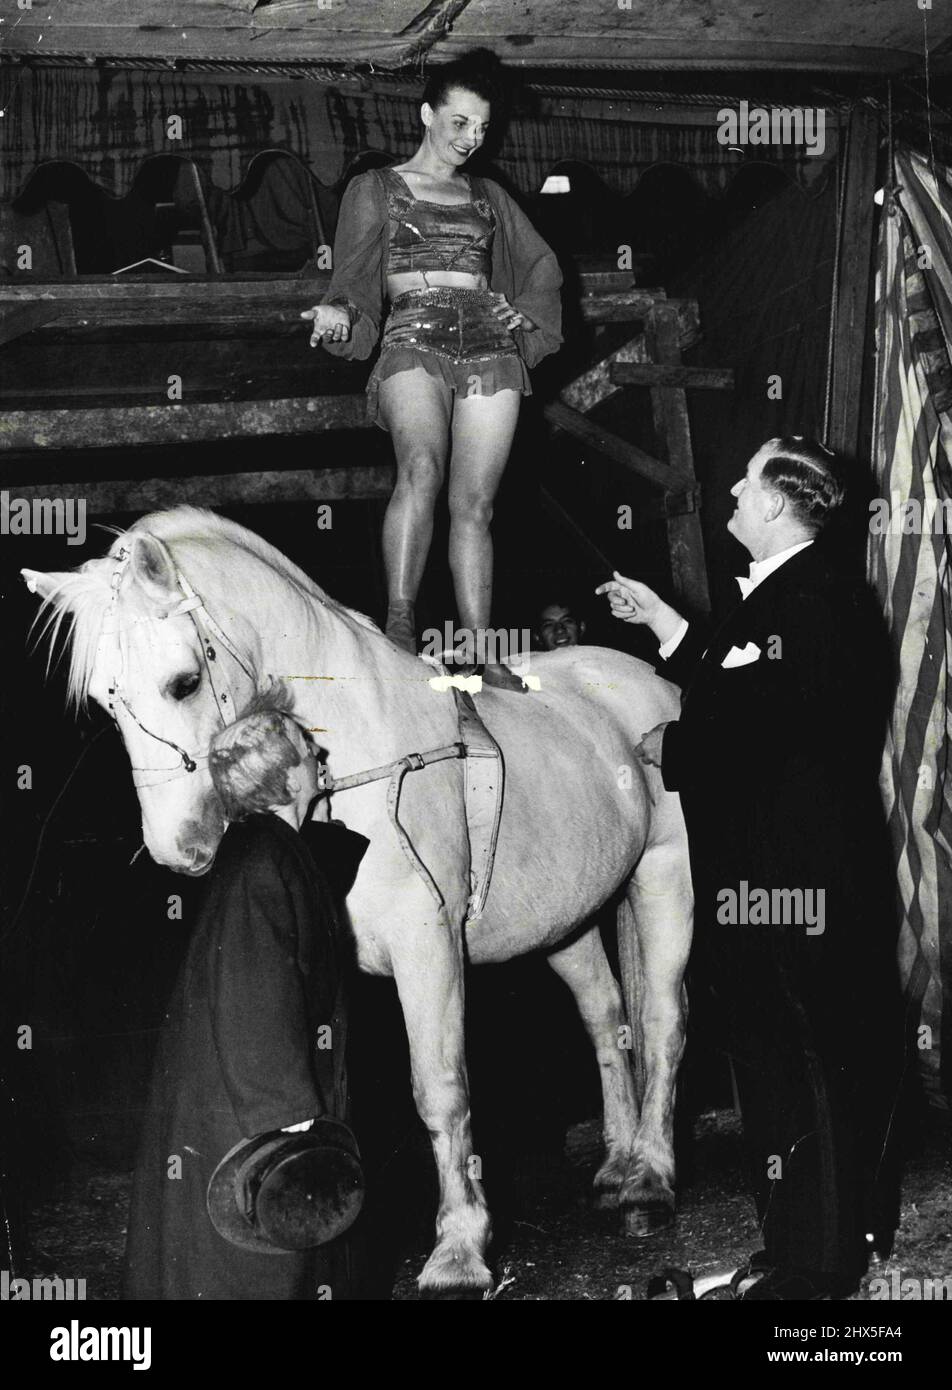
(474, 302)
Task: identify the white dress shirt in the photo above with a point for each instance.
(757, 573)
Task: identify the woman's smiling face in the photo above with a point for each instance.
(457, 126)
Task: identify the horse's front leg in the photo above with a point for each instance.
(428, 970)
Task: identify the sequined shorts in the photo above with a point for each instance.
(454, 335)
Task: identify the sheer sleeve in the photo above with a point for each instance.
(526, 271)
(357, 278)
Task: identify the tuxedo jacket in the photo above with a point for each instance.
(777, 751)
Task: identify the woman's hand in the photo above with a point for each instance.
(330, 322)
(507, 315)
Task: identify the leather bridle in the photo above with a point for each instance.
(207, 628)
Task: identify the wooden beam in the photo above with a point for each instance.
(125, 426)
(605, 442)
(855, 282)
(595, 385)
(669, 406)
(245, 306)
(217, 490)
(632, 306)
(655, 374)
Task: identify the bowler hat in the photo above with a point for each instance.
(280, 1192)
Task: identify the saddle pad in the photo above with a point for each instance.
(484, 780)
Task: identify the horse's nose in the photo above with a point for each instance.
(199, 860)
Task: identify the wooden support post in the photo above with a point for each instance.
(669, 405)
(855, 282)
(208, 231)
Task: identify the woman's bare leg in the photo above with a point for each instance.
(416, 409)
(483, 429)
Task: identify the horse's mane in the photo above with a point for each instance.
(83, 595)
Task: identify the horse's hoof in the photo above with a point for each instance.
(647, 1220)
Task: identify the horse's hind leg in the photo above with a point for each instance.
(654, 940)
(584, 967)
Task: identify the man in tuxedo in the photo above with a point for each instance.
(776, 758)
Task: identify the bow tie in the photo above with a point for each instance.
(746, 585)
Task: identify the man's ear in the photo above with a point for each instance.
(581, 627)
(775, 507)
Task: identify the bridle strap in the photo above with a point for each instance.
(192, 606)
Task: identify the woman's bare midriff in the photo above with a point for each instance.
(413, 280)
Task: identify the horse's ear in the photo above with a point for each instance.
(154, 568)
(42, 584)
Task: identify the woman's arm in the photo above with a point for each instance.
(357, 278)
(526, 271)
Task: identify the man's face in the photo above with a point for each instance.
(558, 628)
(457, 127)
(754, 502)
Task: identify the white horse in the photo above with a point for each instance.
(189, 613)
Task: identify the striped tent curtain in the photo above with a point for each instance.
(910, 549)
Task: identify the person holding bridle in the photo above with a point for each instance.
(474, 303)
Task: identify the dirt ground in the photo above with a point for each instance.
(552, 1245)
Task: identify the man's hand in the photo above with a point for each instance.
(649, 749)
(330, 322)
(634, 602)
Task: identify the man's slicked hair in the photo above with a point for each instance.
(250, 760)
(809, 476)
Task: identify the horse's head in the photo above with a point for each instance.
(144, 646)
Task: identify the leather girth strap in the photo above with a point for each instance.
(484, 781)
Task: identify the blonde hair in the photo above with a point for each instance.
(250, 760)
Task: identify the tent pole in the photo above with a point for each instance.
(854, 283)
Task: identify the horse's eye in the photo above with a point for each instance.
(183, 686)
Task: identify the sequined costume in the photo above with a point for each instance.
(451, 332)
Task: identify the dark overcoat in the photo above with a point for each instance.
(239, 1056)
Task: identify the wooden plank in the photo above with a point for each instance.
(217, 490)
(672, 426)
(660, 375)
(124, 426)
(855, 283)
(612, 445)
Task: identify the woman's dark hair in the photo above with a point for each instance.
(479, 71)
